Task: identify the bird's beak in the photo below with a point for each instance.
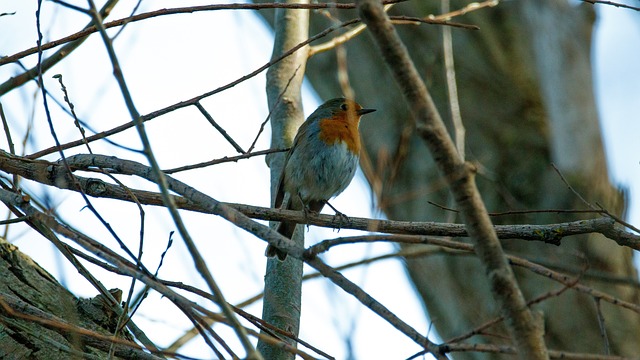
(364, 111)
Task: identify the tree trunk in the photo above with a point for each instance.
(283, 279)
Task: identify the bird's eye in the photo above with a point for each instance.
(344, 107)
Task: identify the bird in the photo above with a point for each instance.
(321, 162)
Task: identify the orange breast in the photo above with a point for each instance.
(340, 129)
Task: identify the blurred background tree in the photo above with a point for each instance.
(526, 98)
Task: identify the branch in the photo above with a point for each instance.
(343, 38)
(522, 232)
(611, 3)
(525, 329)
(502, 349)
(224, 160)
(174, 11)
(474, 6)
(366, 299)
(514, 260)
(54, 174)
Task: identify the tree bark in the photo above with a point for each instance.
(28, 292)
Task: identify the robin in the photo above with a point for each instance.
(321, 162)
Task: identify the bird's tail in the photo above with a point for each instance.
(286, 229)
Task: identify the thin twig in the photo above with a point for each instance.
(223, 160)
(263, 325)
(72, 110)
(617, 219)
(513, 260)
(448, 15)
(133, 11)
(7, 131)
(375, 306)
(71, 6)
(340, 39)
(12, 149)
(452, 86)
(611, 3)
(521, 212)
(599, 207)
(13, 221)
(264, 123)
(73, 181)
(478, 330)
(603, 328)
(576, 193)
(46, 64)
(221, 130)
(125, 318)
(404, 20)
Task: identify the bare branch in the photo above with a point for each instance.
(53, 174)
(173, 11)
(611, 3)
(525, 329)
(222, 131)
(474, 6)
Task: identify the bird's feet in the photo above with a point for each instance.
(339, 218)
(308, 211)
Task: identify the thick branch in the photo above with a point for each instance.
(526, 331)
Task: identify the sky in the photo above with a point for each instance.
(170, 59)
(617, 88)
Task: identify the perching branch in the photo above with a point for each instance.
(53, 174)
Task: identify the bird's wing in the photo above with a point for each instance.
(280, 193)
